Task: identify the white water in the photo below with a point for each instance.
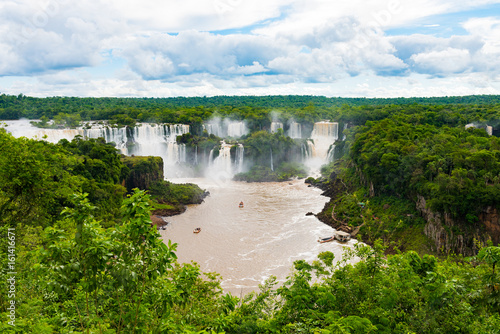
(275, 126)
(240, 154)
(295, 130)
(323, 138)
(226, 128)
(223, 161)
(248, 245)
(236, 129)
(146, 139)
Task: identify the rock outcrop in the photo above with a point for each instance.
(453, 236)
(144, 171)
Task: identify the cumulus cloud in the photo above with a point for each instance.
(163, 56)
(219, 46)
(442, 62)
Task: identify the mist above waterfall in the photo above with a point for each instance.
(224, 127)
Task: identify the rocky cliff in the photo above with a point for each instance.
(452, 236)
(144, 171)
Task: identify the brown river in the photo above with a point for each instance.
(247, 245)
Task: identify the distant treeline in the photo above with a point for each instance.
(257, 111)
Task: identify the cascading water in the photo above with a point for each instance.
(211, 157)
(213, 128)
(272, 165)
(144, 139)
(240, 152)
(236, 129)
(305, 151)
(225, 128)
(295, 130)
(275, 126)
(161, 140)
(223, 161)
(324, 136)
(224, 164)
(115, 135)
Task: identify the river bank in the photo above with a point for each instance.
(354, 209)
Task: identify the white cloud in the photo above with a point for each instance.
(291, 43)
(442, 62)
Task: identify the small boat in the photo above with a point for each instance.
(197, 230)
(241, 204)
(327, 239)
(342, 236)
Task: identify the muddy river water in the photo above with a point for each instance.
(247, 245)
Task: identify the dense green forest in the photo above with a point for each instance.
(257, 110)
(88, 260)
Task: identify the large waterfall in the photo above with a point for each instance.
(323, 138)
(224, 163)
(160, 140)
(213, 129)
(144, 139)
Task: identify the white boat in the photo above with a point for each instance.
(342, 236)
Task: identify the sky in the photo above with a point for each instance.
(166, 48)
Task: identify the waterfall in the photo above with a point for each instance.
(295, 130)
(323, 138)
(307, 150)
(272, 166)
(223, 161)
(213, 129)
(343, 132)
(211, 157)
(324, 134)
(143, 139)
(236, 129)
(240, 151)
(331, 153)
(275, 126)
(226, 128)
(196, 156)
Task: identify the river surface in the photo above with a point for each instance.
(247, 245)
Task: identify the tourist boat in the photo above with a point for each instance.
(241, 204)
(197, 230)
(327, 239)
(342, 236)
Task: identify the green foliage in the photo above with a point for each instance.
(403, 293)
(187, 193)
(85, 273)
(444, 165)
(122, 120)
(89, 279)
(35, 180)
(284, 172)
